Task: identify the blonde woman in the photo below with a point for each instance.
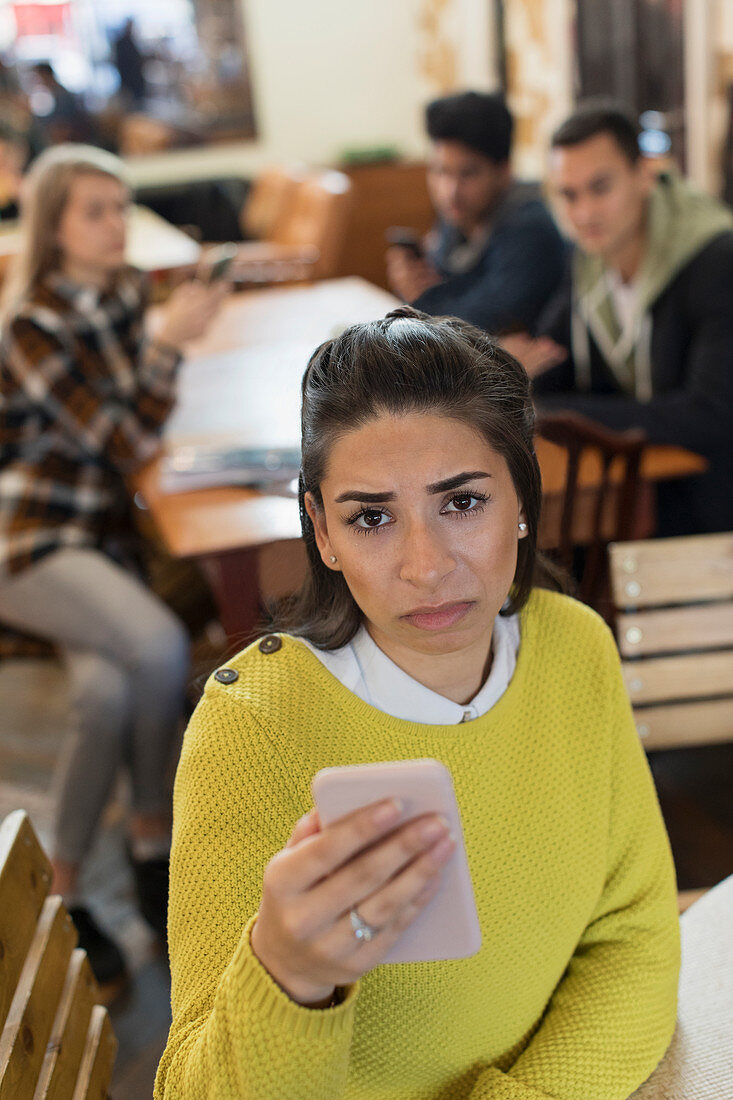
(83, 394)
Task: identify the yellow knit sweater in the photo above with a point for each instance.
(573, 993)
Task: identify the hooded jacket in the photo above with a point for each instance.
(670, 370)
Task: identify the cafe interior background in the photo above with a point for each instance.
(233, 87)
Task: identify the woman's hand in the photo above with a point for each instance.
(188, 312)
(303, 934)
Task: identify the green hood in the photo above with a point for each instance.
(681, 222)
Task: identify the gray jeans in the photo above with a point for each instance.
(128, 660)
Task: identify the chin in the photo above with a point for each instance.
(596, 246)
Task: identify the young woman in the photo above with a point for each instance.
(84, 392)
(419, 634)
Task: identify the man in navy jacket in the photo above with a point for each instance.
(495, 255)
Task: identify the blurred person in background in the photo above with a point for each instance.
(83, 395)
(495, 255)
(641, 334)
(68, 118)
(13, 157)
(130, 64)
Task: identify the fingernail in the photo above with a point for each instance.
(431, 830)
(427, 891)
(443, 849)
(387, 812)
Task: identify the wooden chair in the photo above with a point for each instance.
(307, 242)
(601, 498)
(56, 1041)
(269, 200)
(675, 633)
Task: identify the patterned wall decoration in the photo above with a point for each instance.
(538, 42)
(438, 54)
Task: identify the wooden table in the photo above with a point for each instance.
(152, 244)
(242, 383)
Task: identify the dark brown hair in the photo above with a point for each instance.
(600, 116)
(408, 362)
(479, 120)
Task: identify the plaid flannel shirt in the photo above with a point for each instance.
(83, 395)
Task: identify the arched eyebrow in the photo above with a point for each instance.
(444, 486)
(449, 483)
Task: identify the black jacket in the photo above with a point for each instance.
(515, 275)
(692, 385)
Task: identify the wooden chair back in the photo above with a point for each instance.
(601, 495)
(269, 200)
(317, 219)
(675, 634)
(56, 1042)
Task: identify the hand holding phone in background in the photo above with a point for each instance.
(368, 870)
(409, 273)
(191, 307)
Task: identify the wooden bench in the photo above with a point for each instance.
(674, 626)
(56, 1041)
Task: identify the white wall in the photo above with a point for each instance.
(332, 74)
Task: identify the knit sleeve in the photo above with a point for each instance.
(235, 1035)
(612, 1015)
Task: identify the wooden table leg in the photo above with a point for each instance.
(234, 582)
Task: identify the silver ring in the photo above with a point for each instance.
(363, 931)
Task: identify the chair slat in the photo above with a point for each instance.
(677, 724)
(677, 628)
(33, 1008)
(660, 679)
(666, 571)
(68, 1035)
(98, 1059)
(25, 878)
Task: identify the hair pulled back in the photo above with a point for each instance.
(407, 362)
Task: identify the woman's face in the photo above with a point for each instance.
(93, 225)
(422, 517)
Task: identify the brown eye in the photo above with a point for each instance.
(372, 518)
(465, 504)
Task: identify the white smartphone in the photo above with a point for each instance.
(448, 927)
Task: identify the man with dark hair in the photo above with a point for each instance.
(645, 320)
(495, 255)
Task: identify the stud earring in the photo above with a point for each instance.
(333, 559)
(522, 526)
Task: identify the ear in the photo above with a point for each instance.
(649, 171)
(317, 517)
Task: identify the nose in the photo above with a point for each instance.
(583, 212)
(426, 560)
(453, 191)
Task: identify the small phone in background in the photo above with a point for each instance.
(218, 262)
(448, 927)
(403, 237)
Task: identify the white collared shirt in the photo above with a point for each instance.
(625, 297)
(363, 668)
